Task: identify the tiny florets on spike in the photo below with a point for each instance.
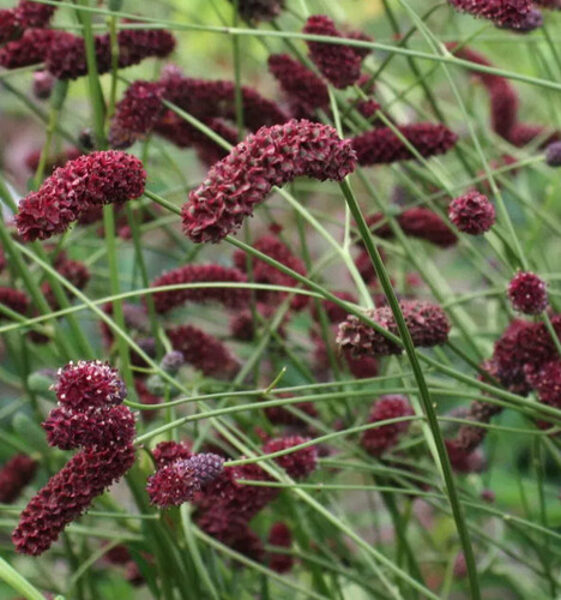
(509, 14)
(168, 452)
(67, 495)
(553, 154)
(88, 384)
(377, 440)
(15, 475)
(271, 157)
(297, 464)
(472, 213)
(66, 55)
(383, 146)
(204, 352)
(340, 64)
(304, 88)
(427, 324)
(27, 14)
(528, 293)
(179, 481)
(90, 180)
(27, 51)
(230, 297)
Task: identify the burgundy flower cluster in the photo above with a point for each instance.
(271, 157)
(427, 324)
(204, 352)
(31, 49)
(88, 416)
(14, 299)
(528, 293)
(90, 180)
(264, 273)
(518, 15)
(338, 63)
(27, 14)
(281, 537)
(15, 475)
(383, 146)
(379, 439)
(230, 297)
(472, 213)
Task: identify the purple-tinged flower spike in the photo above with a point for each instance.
(553, 154)
(14, 21)
(427, 324)
(271, 157)
(68, 494)
(528, 293)
(14, 299)
(66, 56)
(15, 475)
(172, 362)
(510, 14)
(204, 352)
(179, 481)
(267, 274)
(229, 297)
(90, 180)
(260, 10)
(338, 63)
(103, 427)
(304, 88)
(472, 213)
(29, 50)
(383, 146)
(89, 384)
(376, 441)
(137, 113)
(280, 536)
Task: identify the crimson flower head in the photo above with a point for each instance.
(88, 384)
(228, 296)
(338, 63)
(383, 146)
(260, 10)
(509, 14)
(168, 452)
(179, 481)
(27, 14)
(29, 50)
(297, 464)
(14, 299)
(423, 223)
(472, 213)
(15, 475)
(90, 180)
(305, 89)
(528, 293)
(427, 324)
(377, 440)
(271, 157)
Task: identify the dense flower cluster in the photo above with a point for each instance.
(423, 223)
(203, 351)
(230, 297)
(306, 91)
(260, 10)
(90, 180)
(14, 299)
(340, 64)
(88, 416)
(427, 324)
(510, 14)
(15, 475)
(528, 293)
(383, 146)
(166, 453)
(264, 273)
(377, 440)
(31, 49)
(472, 213)
(281, 537)
(178, 482)
(272, 157)
(27, 14)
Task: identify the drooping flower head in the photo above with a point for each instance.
(383, 146)
(230, 297)
(472, 213)
(271, 157)
(427, 324)
(340, 64)
(377, 440)
(90, 180)
(528, 293)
